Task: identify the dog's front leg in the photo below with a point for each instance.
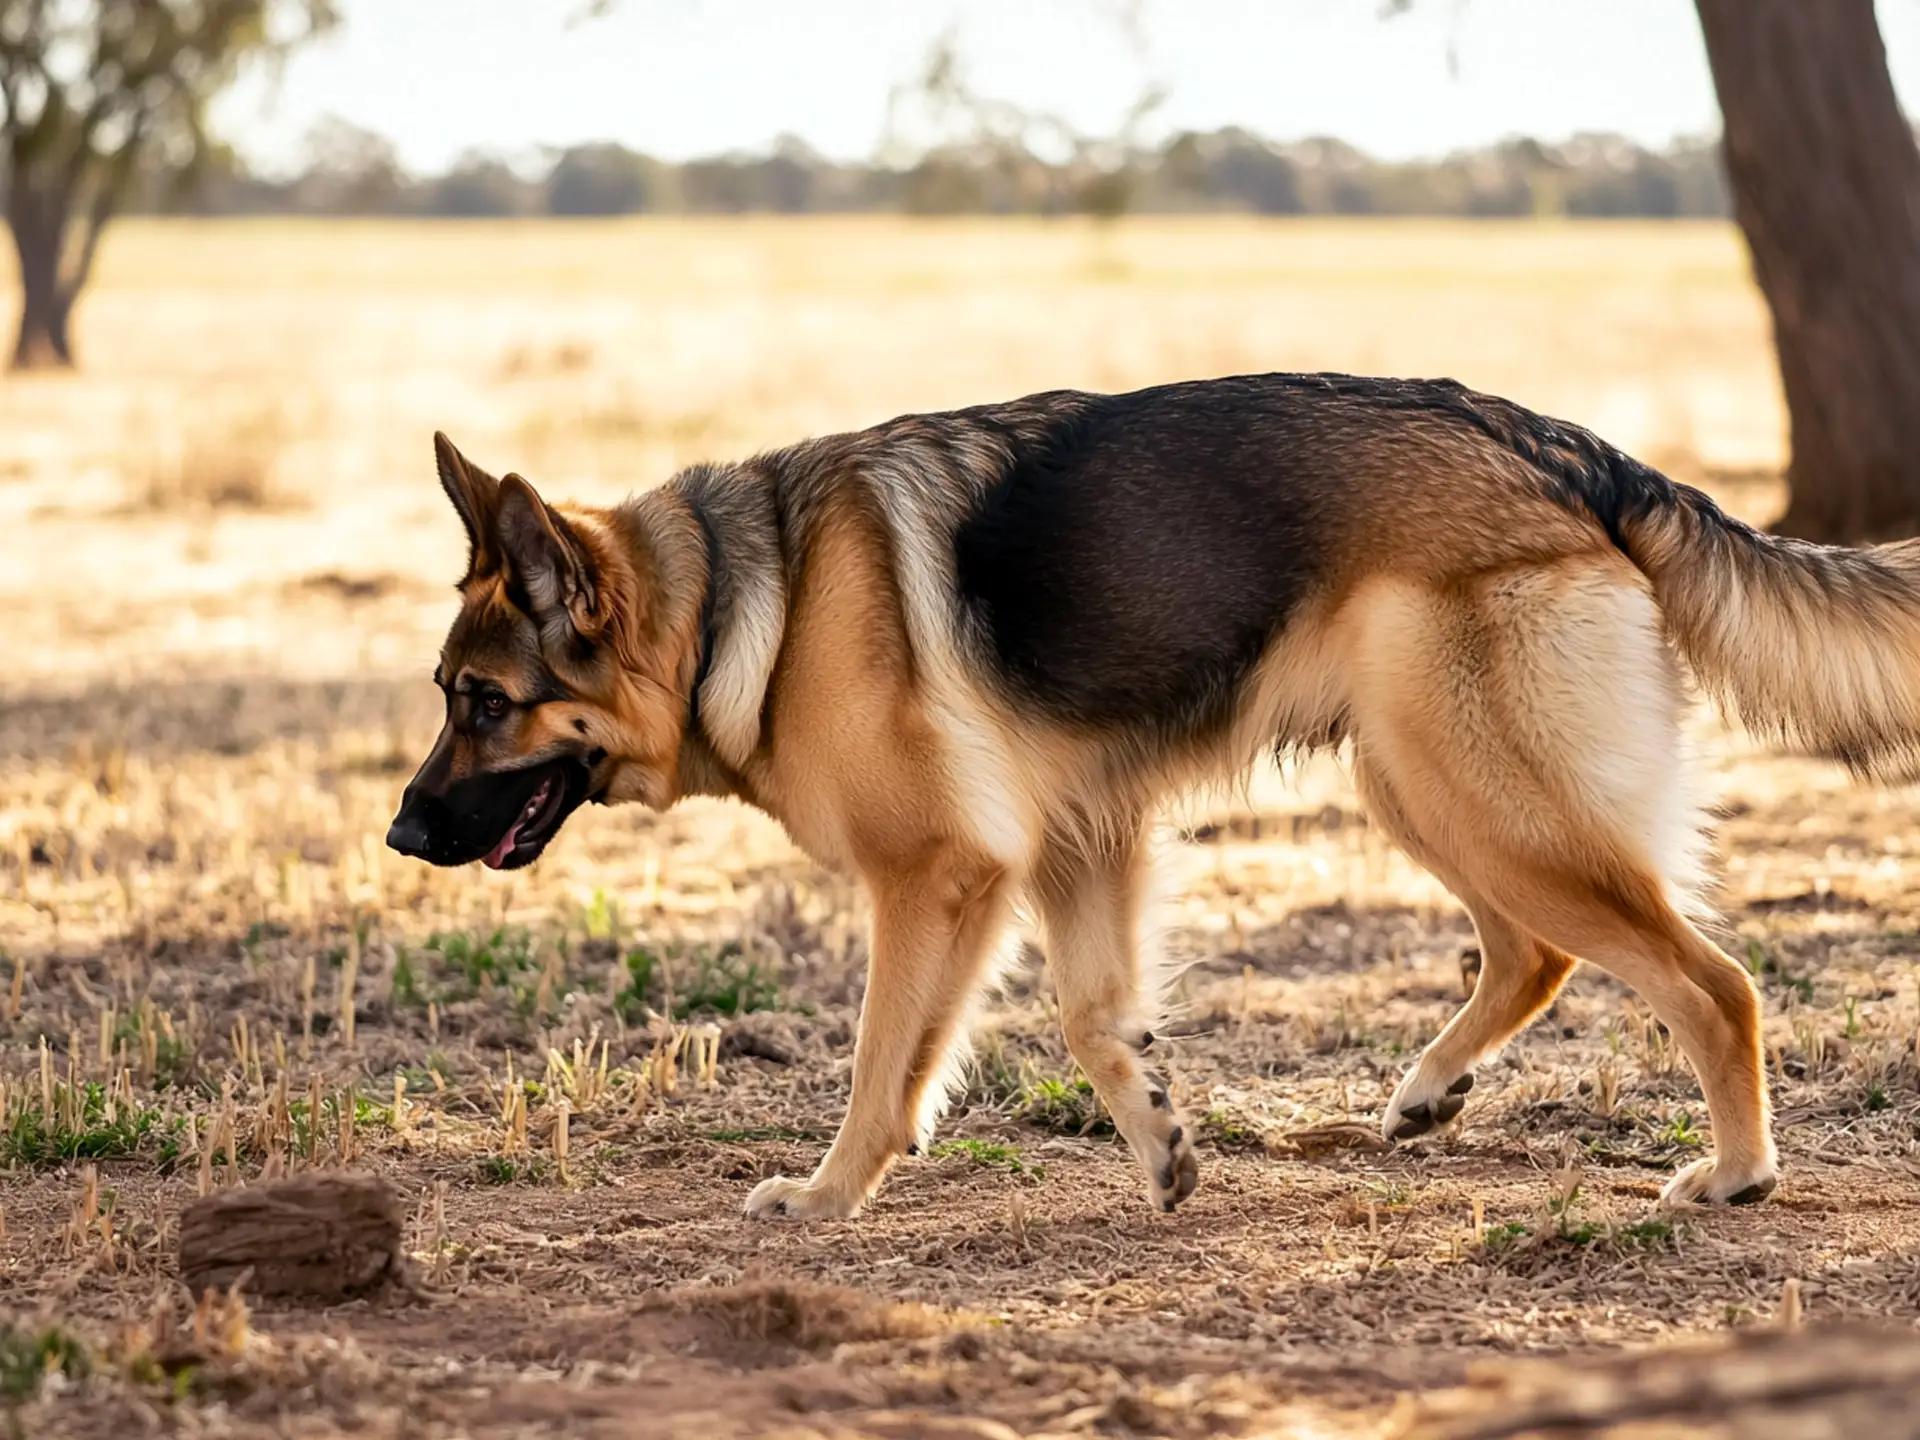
(934, 926)
(1090, 901)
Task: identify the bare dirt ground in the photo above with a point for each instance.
(225, 569)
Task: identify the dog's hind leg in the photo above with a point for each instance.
(1090, 900)
(1526, 726)
(1519, 976)
(935, 926)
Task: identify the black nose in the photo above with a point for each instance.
(407, 834)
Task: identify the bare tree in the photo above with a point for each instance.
(1825, 178)
(92, 94)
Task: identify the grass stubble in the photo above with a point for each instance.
(211, 974)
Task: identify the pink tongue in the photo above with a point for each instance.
(500, 852)
(495, 857)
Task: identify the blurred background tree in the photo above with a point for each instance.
(93, 93)
(101, 103)
(1825, 179)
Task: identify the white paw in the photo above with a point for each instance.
(1173, 1171)
(1160, 1141)
(1704, 1183)
(784, 1199)
(1419, 1107)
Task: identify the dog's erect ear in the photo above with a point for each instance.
(476, 495)
(555, 578)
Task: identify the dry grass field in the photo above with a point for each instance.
(225, 569)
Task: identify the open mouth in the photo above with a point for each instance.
(561, 788)
(502, 818)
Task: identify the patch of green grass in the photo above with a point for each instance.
(1643, 1233)
(1876, 1099)
(726, 981)
(1680, 1131)
(27, 1357)
(172, 1055)
(262, 931)
(82, 1126)
(1391, 1194)
(1640, 1235)
(601, 918)
(1225, 1132)
(365, 1113)
(507, 1169)
(1636, 1235)
(405, 991)
(634, 997)
(987, 1154)
(502, 959)
(1065, 1105)
(371, 1112)
(1505, 1235)
(735, 1135)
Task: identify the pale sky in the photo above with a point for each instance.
(680, 78)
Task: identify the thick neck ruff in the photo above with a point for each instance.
(707, 610)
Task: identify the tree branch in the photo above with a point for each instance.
(24, 58)
(106, 199)
(144, 74)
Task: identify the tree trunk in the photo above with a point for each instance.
(1826, 186)
(46, 303)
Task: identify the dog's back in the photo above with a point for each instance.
(1106, 598)
(968, 654)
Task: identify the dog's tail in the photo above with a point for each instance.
(1814, 647)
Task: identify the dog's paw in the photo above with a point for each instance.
(1177, 1174)
(1173, 1170)
(1417, 1108)
(1705, 1182)
(784, 1199)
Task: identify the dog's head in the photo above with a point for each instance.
(565, 677)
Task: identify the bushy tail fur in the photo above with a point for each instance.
(1814, 647)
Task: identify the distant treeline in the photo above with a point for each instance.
(355, 173)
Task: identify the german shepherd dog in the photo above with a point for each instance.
(966, 655)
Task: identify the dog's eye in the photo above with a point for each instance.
(494, 705)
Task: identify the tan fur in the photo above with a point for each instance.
(1483, 746)
(855, 769)
(1481, 670)
(1477, 707)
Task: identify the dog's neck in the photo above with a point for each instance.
(743, 611)
(703, 666)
